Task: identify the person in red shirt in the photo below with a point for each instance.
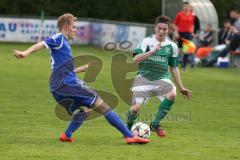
(184, 27)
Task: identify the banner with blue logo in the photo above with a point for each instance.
(33, 30)
(96, 33)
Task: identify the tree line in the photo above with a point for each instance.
(120, 10)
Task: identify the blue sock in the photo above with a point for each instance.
(76, 122)
(116, 121)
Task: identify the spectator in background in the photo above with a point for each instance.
(225, 34)
(207, 38)
(232, 46)
(184, 27)
(235, 18)
(205, 42)
(235, 39)
(210, 54)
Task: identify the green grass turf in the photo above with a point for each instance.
(207, 127)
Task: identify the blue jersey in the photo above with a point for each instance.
(62, 62)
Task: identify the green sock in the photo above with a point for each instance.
(163, 109)
(131, 117)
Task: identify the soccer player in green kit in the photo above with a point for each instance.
(155, 55)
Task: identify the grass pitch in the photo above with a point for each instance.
(207, 127)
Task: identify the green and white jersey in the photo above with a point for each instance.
(156, 66)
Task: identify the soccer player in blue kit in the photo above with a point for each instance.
(64, 83)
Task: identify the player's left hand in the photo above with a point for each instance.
(186, 93)
(19, 54)
(91, 63)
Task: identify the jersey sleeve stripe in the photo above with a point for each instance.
(45, 44)
(60, 45)
(55, 36)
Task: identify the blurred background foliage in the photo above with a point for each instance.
(123, 10)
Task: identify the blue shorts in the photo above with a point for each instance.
(76, 95)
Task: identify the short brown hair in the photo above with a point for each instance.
(236, 11)
(64, 19)
(162, 19)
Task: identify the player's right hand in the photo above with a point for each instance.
(157, 47)
(19, 54)
(186, 93)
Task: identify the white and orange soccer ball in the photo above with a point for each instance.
(141, 129)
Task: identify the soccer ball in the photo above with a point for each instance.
(141, 129)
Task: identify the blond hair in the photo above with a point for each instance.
(65, 19)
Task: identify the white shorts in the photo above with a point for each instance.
(143, 89)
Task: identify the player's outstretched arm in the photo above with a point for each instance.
(83, 68)
(176, 76)
(22, 54)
